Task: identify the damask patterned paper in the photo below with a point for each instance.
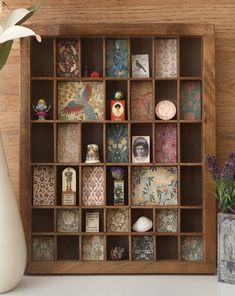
(166, 220)
(80, 100)
(93, 248)
(117, 58)
(92, 186)
(68, 58)
(43, 248)
(141, 101)
(190, 100)
(166, 57)
(142, 248)
(43, 186)
(166, 143)
(191, 248)
(68, 143)
(117, 220)
(68, 220)
(117, 143)
(154, 186)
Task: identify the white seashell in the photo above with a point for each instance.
(142, 224)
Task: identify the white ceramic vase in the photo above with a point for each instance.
(12, 240)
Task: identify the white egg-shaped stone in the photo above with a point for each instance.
(143, 224)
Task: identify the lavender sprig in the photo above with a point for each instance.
(117, 172)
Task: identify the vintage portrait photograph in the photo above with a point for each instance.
(141, 149)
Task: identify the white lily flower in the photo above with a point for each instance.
(9, 30)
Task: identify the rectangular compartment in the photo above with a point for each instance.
(191, 248)
(117, 220)
(68, 57)
(117, 247)
(93, 248)
(43, 248)
(68, 247)
(42, 89)
(191, 220)
(190, 57)
(142, 224)
(101, 218)
(42, 57)
(191, 177)
(141, 100)
(92, 56)
(191, 142)
(42, 143)
(167, 220)
(68, 220)
(167, 247)
(142, 248)
(42, 220)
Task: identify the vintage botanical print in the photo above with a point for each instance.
(92, 186)
(43, 248)
(166, 57)
(68, 143)
(117, 220)
(142, 248)
(166, 220)
(154, 186)
(117, 58)
(117, 143)
(166, 143)
(80, 100)
(226, 248)
(190, 100)
(68, 220)
(191, 248)
(93, 247)
(141, 100)
(68, 58)
(43, 186)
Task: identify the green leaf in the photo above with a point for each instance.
(32, 9)
(5, 49)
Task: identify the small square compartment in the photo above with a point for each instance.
(42, 51)
(192, 248)
(117, 220)
(43, 248)
(101, 218)
(117, 247)
(68, 248)
(68, 220)
(191, 142)
(137, 213)
(142, 248)
(167, 247)
(191, 177)
(92, 56)
(93, 248)
(42, 143)
(42, 220)
(191, 220)
(190, 57)
(167, 220)
(42, 89)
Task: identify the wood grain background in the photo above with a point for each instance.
(217, 12)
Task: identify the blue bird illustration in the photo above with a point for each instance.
(81, 103)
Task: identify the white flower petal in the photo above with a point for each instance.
(13, 18)
(17, 32)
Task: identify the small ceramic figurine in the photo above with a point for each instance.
(41, 109)
(143, 224)
(116, 253)
(92, 155)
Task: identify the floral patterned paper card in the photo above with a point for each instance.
(142, 248)
(166, 57)
(166, 220)
(92, 186)
(68, 143)
(43, 248)
(93, 248)
(68, 58)
(191, 248)
(141, 100)
(43, 186)
(117, 220)
(166, 143)
(80, 100)
(154, 186)
(68, 220)
(190, 100)
(117, 143)
(117, 58)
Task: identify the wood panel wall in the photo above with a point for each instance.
(217, 12)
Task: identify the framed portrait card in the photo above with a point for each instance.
(141, 149)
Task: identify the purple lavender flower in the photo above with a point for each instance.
(214, 168)
(117, 172)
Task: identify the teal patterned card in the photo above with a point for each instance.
(117, 58)
(117, 143)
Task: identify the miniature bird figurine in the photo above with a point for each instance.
(139, 66)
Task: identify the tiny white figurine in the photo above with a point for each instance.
(143, 224)
(92, 155)
(41, 109)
